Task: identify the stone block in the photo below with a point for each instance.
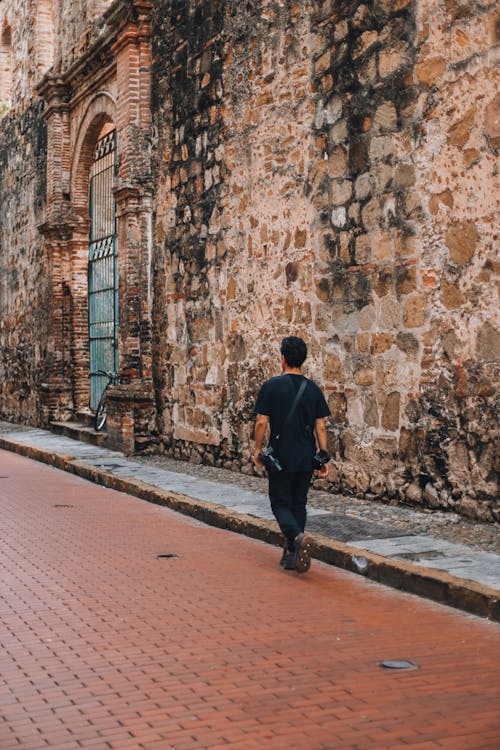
(340, 191)
(371, 412)
(390, 412)
(338, 134)
(364, 186)
(404, 175)
(323, 289)
(337, 404)
(471, 156)
(367, 74)
(389, 313)
(354, 213)
(339, 217)
(405, 279)
(333, 110)
(492, 118)
(429, 71)
(371, 214)
(382, 281)
(461, 239)
(407, 342)
(359, 160)
(381, 147)
(381, 342)
(488, 343)
(337, 162)
(363, 249)
(300, 238)
(366, 318)
(333, 370)
(323, 63)
(383, 174)
(459, 133)
(386, 117)
(364, 376)
(450, 294)
(364, 42)
(363, 343)
(413, 494)
(383, 246)
(404, 245)
(391, 60)
(431, 495)
(355, 411)
(414, 311)
(445, 197)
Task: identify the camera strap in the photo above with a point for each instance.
(294, 405)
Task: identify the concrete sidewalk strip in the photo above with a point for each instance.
(450, 573)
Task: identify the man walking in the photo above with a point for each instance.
(294, 409)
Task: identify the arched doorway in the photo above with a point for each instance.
(102, 265)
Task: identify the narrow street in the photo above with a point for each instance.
(126, 626)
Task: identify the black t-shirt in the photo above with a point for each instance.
(295, 445)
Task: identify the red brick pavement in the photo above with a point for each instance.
(105, 646)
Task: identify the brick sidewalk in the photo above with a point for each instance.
(108, 646)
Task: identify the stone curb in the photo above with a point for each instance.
(429, 583)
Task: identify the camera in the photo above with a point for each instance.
(269, 460)
(320, 459)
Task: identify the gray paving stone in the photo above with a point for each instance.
(345, 528)
(413, 544)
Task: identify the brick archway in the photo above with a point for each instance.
(99, 114)
(110, 83)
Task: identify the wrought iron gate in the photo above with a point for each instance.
(103, 268)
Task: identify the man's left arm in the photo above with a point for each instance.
(322, 440)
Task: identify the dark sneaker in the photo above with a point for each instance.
(286, 552)
(303, 544)
(285, 558)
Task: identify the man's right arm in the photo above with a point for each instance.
(260, 430)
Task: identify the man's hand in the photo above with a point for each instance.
(257, 461)
(323, 472)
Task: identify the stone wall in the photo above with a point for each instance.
(24, 268)
(317, 173)
(457, 449)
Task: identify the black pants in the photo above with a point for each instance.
(288, 495)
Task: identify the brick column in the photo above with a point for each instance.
(56, 94)
(56, 395)
(78, 249)
(131, 411)
(56, 391)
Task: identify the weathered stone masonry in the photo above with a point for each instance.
(23, 265)
(323, 168)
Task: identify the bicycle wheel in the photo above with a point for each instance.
(100, 415)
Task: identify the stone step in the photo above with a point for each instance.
(86, 417)
(80, 431)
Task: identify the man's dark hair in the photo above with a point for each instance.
(294, 351)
